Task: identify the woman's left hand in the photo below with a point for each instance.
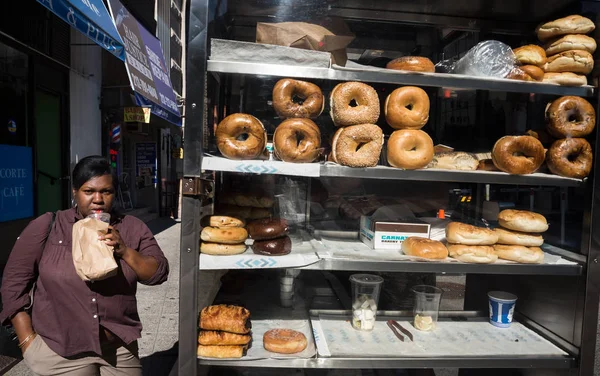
(113, 239)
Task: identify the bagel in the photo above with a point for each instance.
(297, 140)
(462, 233)
(519, 253)
(362, 96)
(222, 249)
(518, 74)
(412, 63)
(424, 248)
(226, 235)
(297, 99)
(241, 136)
(222, 221)
(509, 237)
(571, 42)
(357, 145)
(574, 24)
(570, 117)
(409, 149)
(476, 254)
(570, 157)
(530, 55)
(284, 341)
(565, 79)
(522, 220)
(407, 108)
(574, 61)
(536, 73)
(518, 154)
(454, 160)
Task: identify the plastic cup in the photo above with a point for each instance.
(502, 308)
(365, 297)
(427, 307)
(101, 216)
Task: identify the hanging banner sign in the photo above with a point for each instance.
(92, 19)
(146, 67)
(136, 115)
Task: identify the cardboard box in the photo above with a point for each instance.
(382, 234)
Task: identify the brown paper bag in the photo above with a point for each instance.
(307, 36)
(93, 259)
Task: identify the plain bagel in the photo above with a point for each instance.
(424, 248)
(565, 79)
(510, 237)
(476, 254)
(225, 235)
(571, 42)
(407, 108)
(530, 55)
(412, 63)
(573, 24)
(519, 253)
(409, 149)
(574, 61)
(518, 155)
(462, 233)
(222, 221)
(522, 220)
(535, 72)
(222, 249)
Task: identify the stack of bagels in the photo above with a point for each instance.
(245, 205)
(223, 235)
(471, 244)
(568, 49)
(519, 236)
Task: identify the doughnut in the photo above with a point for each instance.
(574, 24)
(407, 108)
(570, 157)
(522, 220)
(412, 63)
(518, 154)
(518, 238)
(357, 145)
(284, 341)
(264, 229)
(222, 221)
(519, 253)
(297, 140)
(425, 248)
(273, 247)
(225, 235)
(409, 149)
(353, 103)
(570, 117)
(241, 136)
(462, 233)
(222, 249)
(297, 99)
(476, 254)
(530, 55)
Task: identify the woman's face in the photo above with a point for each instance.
(97, 194)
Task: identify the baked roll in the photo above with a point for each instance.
(216, 338)
(227, 318)
(221, 351)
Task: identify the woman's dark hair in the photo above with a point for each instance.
(92, 167)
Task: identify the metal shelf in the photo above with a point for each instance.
(433, 79)
(383, 172)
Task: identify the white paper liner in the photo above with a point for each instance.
(337, 338)
(260, 327)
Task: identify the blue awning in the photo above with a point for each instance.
(92, 19)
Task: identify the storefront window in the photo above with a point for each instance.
(13, 97)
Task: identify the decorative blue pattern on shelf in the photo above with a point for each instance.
(256, 263)
(256, 169)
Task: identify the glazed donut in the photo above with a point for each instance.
(273, 247)
(409, 149)
(264, 229)
(284, 341)
(241, 136)
(570, 157)
(412, 63)
(518, 154)
(297, 140)
(310, 99)
(343, 113)
(222, 249)
(225, 235)
(407, 108)
(570, 117)
(357, 145)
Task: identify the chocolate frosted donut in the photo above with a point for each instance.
(264, 229)
(273, 247)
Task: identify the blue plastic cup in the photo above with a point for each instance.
(502, 308)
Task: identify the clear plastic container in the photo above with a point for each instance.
(101, 216)
(365, 297)
(427, 307)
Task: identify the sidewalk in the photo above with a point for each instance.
(158, 307)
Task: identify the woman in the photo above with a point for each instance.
(77, 327)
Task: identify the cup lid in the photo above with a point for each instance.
(368, 279)
(502, 295)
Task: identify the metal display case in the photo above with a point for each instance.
(557, 301)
